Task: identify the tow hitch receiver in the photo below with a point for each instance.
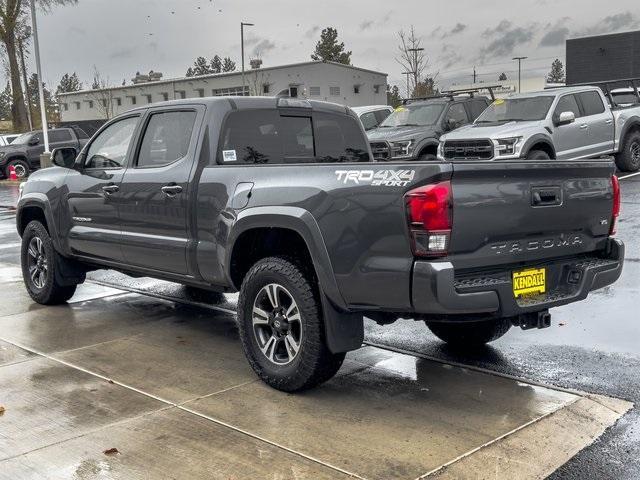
(527, 321)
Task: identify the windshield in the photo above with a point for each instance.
(516, 110)
(414, 115)
(23, 139)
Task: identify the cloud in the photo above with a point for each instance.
(448, 57)
(366, 25)
(312, 32)
(263, 46)
(124, 52)
(612, 23)
(505, 37)
(459, 28)
(440, 33)
(554, 37)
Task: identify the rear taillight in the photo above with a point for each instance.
(429, 212)
(615, 210)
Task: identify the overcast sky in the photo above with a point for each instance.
(121, 37)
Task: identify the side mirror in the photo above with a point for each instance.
(565, 118)
(34, 141)
(64, 157)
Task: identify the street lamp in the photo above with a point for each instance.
(242, 25)
(519, 59)
(416, 73)
(36, 48)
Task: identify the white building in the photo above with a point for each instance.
(507, 87)
(328, 81)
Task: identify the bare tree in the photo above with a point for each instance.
(413, 59)
(102, 94)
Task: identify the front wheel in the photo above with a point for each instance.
(281, 327)
(21, 168)
(628, 159)
(470, 334)
(39, 264)
(537, 155)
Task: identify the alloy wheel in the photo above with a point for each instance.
(37, 263)
(21, 172)
(635, 152)
(277, 324)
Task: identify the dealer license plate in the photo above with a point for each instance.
(529, 282)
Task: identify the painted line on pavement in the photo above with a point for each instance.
(629, 176)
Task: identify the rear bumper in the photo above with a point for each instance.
(438, 290)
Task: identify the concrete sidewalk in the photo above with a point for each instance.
(166, 385)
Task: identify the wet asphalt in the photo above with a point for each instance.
(592, 346)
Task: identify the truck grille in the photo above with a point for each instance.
(468, 150)
(381, 151)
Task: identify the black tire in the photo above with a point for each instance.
(427, 157)
(22, 169)
(470, 334)
(313, 363)
(45, 287)
(538, 155)
(628, 159)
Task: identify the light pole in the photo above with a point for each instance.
(519, 59)
(36, 48)
(407, 74)
(416, 72)
(242, 25)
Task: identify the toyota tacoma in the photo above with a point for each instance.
(279, 199)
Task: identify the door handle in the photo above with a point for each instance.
(584, 126)
(171, 190)
(609, 122)
(109, 189)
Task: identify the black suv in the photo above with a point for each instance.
(413, 130)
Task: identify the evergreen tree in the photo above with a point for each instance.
(329, 50)
(34, 101)
(228, 65)
(556, 75)
(200, 67)
(216, 64)
(5, 103)
(69, 83)
(393, 96)
(502, 77)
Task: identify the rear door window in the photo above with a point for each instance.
(266, 137)
(591, 103)
(56, 136)
(369, 120)
(568, 103)
(166, 138)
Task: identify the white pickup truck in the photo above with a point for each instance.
(561, 123)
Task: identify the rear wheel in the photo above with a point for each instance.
(470, 334)
(537, 155)
(40, 263)
(628, 159)
(281, 327)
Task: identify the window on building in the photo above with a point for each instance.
(77, 105)
(231, 91)
(200, 92)
(266, 137)
(592, 103)
(334, 91)
(65, 106)
(90, 103)
(118, 101)
(148, 97)
(165, 96)
(166, 138)
(266, 88)
(181, 94)
(314, 91)
(104, 102)
(61, 135)
(356, 89)
(133, 100)
(293, 92)
(376, 89)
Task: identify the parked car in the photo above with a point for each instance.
(7, 138)
(570, 122)
(24, 152)
(372, 115)
(413, 131)
(210, 193)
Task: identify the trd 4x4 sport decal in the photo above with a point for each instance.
(380, 178)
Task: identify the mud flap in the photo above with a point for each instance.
(344, 331)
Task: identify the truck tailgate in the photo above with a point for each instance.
(520, 212)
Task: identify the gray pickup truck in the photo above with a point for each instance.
(279, 199)
(564, 123)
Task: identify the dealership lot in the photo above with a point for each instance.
(138, 366)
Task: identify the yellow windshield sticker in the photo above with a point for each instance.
(498, 101)
(400, 109)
